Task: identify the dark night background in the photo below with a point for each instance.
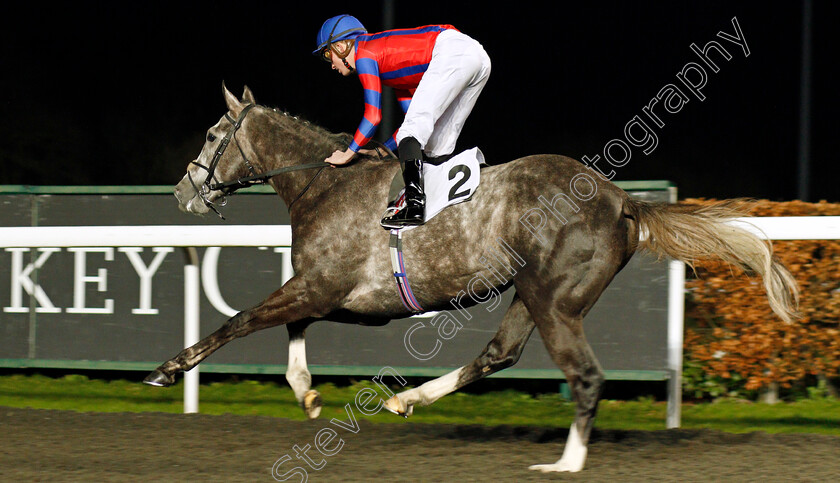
(121, 93)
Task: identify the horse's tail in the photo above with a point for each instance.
(692, 232)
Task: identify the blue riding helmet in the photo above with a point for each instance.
(340, 27)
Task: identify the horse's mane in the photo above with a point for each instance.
(343, 137)
(280, 113)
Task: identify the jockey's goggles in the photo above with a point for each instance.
(326, 54)
(329, 50)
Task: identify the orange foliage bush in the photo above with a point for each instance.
(733, 334)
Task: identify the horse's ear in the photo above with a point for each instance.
(232, 102)
(248, 96)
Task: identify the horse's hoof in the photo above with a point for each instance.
(159, 379)
(396, 406)
(312, 403)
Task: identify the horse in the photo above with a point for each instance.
(561, 257)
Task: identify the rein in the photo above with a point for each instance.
(229, 187)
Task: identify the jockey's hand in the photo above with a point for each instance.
(370, 152)
(339, 158)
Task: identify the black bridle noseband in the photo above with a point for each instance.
(229, 187)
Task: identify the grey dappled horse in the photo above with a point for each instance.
(561, 257)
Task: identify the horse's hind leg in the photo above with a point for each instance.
(564, 339)
(503, 351)
(297, 372)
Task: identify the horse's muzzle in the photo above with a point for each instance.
(189, 200)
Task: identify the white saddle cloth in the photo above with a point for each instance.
(450, 183)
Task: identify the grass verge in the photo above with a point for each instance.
(506, 407)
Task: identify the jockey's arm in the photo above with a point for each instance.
(368, 71)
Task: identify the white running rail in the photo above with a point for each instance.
(773, 228)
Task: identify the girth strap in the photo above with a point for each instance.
(400, 276)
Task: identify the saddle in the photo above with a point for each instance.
(446, 183)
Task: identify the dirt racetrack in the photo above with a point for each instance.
(46, 445)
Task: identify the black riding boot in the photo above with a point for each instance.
(414, 212)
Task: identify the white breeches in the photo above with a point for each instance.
(446, 94)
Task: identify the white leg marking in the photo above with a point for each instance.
(297, 373)
(436, 388)
(301, 380)
(403, 403)
(574, 455)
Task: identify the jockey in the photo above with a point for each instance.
(437, 74)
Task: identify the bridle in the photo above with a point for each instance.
(229, 187)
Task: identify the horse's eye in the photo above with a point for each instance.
(211, 138)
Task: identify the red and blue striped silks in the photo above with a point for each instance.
(397, 59)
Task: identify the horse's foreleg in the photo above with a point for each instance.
(289, 304)
(502, 352)
(297, 373)
(190, 357)
(567, 345)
